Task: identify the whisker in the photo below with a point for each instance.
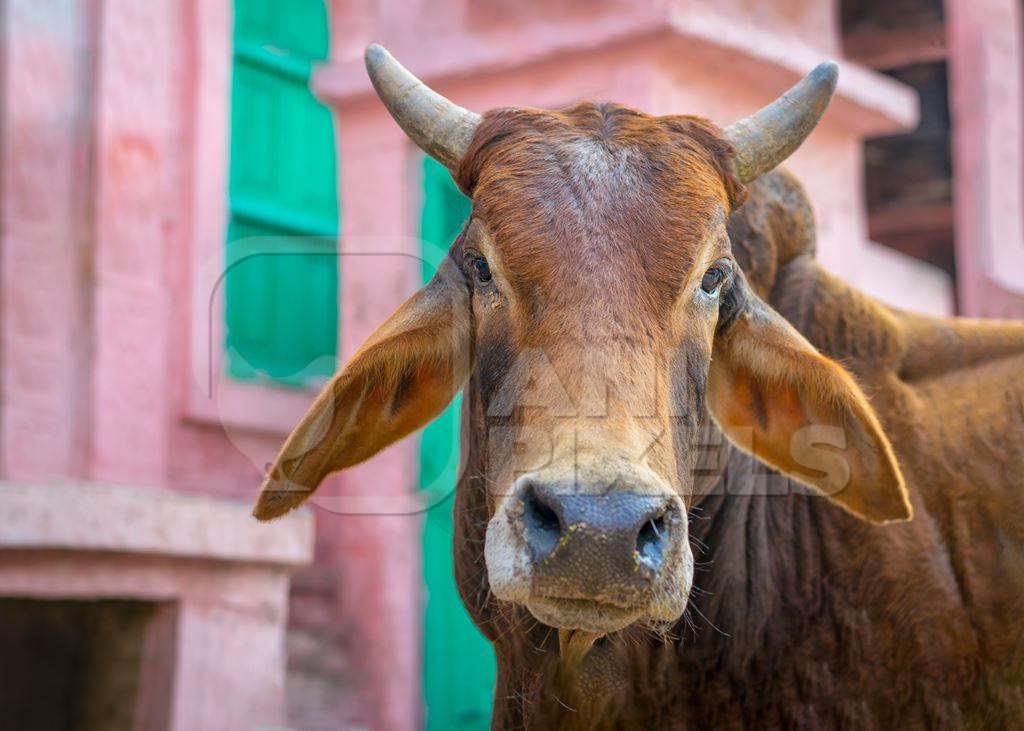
(712, 624)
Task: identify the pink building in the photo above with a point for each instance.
(188, 243)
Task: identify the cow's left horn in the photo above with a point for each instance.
(442, 129)
(769, 136)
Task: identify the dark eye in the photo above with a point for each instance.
(483, 271)
(713, 278)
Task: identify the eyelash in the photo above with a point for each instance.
(481, 269)
(716, 276)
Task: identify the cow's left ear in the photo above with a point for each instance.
(776, 396)
(403, 376)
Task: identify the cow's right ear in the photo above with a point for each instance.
(405, 374)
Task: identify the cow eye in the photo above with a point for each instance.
(713, 278)
(474, 262)
(483, 270)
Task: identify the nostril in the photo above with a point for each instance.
(543, 528)
(543, 516)
(650, 541)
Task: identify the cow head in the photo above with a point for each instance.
(594, 295)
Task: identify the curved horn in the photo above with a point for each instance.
(769, 136)
(440, 128)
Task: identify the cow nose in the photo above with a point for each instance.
(597, 546)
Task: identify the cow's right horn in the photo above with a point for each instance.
(440, 128)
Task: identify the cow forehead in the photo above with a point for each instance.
(596, 199)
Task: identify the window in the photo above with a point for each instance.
(282, 270)
(458, 663)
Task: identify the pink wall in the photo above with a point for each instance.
(96, 175)
(45, 236)
(987, 98)
(114, 177)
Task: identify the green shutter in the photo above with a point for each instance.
(282, 269)
(458, 662)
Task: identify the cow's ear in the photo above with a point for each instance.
(775, 396)
(402, 377)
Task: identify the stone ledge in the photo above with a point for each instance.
(144, 520)
(866, 101)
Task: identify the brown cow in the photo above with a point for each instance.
(612, 310)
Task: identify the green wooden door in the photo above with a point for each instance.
(458, 662)
(282, 276)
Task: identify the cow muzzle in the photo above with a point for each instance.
(583, 557)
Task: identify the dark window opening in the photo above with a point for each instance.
(908, 178)
(71, 665)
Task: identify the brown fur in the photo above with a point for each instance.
(803, 616)
(598, 222)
